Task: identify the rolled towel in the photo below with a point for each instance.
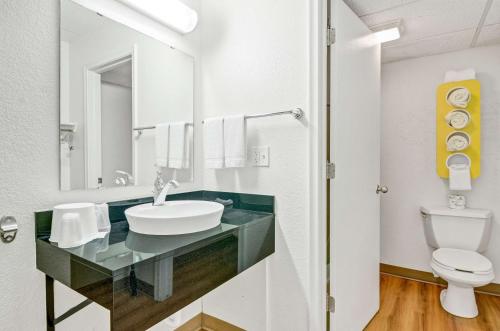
(457, 141)
(458, 118)
(459, 97)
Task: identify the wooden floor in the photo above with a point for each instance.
(408, 305)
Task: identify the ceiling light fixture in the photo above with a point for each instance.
(172, 13)
(387, 31)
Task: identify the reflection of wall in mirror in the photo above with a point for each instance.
(165, 80)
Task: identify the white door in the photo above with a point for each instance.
(355, 150)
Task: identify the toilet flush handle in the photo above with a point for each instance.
(382, 189)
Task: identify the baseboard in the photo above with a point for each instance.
(194, 324)
(428, 277)
(209, 323)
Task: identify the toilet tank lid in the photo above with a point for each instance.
(467, 212)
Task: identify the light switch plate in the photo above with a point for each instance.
(259, 156)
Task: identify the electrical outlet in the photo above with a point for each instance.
(259, 156)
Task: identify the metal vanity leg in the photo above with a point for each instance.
(49, 302)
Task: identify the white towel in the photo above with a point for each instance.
(456, 76)
(459, 97)
(102, 213)
(213, 140)
(177, 157)
(161, 144)
(460, 177)
(235, 141)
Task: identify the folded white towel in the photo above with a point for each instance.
(213, 140)
(102, 213)
(456, 76)
(235, 141)
(460, 179)
(161, 144)
(177, 157)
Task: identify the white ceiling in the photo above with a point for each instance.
(433, 26)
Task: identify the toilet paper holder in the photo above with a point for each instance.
(8, 229)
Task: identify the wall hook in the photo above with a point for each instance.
(8, 229)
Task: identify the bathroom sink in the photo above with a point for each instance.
(174, 217)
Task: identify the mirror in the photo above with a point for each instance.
(117, 85)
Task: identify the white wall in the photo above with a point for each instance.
(408, 151)
(255, 60)
(29, 150)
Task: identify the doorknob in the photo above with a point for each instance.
(382, 189)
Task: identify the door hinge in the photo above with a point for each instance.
(330, 304)
(330, 36)
(330, 170)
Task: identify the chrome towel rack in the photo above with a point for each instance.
(139, 129)
(297, 113)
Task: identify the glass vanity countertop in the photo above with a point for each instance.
(121, 248)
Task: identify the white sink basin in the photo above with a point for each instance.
(174, 217)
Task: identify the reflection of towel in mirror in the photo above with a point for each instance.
(459, 97)
(161, 144)
(460, 179)
(457, 143)
(178, 149)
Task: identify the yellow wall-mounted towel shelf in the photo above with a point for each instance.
(472, 129)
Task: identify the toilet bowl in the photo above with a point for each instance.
(459, 236)
(463, 270)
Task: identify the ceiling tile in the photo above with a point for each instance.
(494, 14)
(436, 45)
(428, 18)
(364, 7)
(490, 34)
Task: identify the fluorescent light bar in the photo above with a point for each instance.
(388, 34)
(387, 31)
(173, 13)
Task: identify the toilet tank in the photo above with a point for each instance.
(457, 228)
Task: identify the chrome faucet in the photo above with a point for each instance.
(123, 178)
(161, 189)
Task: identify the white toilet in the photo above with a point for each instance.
(459, 235)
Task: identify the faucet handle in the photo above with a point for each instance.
(174, 183)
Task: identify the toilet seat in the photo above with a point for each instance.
(462, 261)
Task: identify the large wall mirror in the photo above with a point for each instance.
(117, 86)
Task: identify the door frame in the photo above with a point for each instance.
(92, 109)
(318, 126)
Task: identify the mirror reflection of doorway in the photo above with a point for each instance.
(109, 114)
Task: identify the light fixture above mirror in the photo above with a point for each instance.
(172, 13)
